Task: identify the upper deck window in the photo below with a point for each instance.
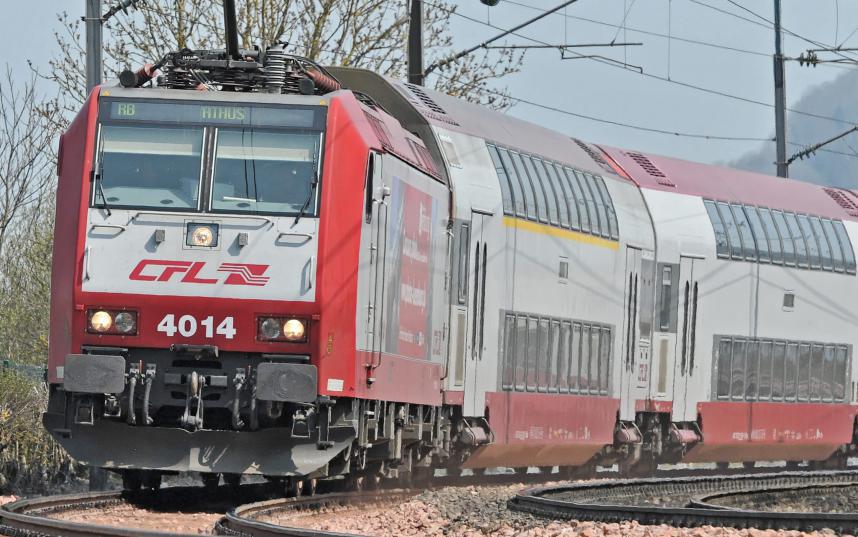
(208, 156)
(744, 232)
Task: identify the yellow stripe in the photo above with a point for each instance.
(552, 231)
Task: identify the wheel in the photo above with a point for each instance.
(722, 466)
(152, 481)
(748, 465)
(310, 486)
(294, 486)
(422, 476)
(132, 480)
(545, 470)
(210, 481)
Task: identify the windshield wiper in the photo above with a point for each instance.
(309, 196)
(100, 187)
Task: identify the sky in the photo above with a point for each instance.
(661, 98)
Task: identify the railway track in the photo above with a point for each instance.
(692, 501)
(245, 521)
(678, 501)
(32, 518)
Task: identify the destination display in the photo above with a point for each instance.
(215, 113)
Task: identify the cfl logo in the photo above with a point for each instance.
(158, 270)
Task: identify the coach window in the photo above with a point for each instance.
(816, 372)
(529, 191)
(841, 379)
(764, 392)
(798, 240)
(586, 217)
(786, 238)
(571, 202)
(825, 256)
(521, 353)
(464, 241)
(791, 366)
(563, 357)
(596, 220)
(749, 246)
(609, 206)
(848, 253)
(601, 205)
(752, 368)
(543, 348)
(515, 182)
(509, 358)
(587, 370)
(803, 383)
(503, 179)
(553, 356)
(828, 379)
(550, 195)
(737, 375)
(559, 192)
(722, 244)
(538, 187)
(836, 249)
(605, 360)
(810, 240)
(732, 232)
(778, 371)
(532, 352)
(575, 358)
(725, 352)
(773, 236)
(759, 233)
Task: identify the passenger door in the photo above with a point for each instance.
(476, 303)
(630, 334)
(684, 358)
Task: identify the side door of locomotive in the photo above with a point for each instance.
(377, 200)
(686, 336)
(475, 348)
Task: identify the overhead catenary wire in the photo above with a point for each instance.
(688, 85)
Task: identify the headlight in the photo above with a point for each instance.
(202, 235)
(125, 322)
(100, 321)
(115, 322)
(287, 329)
(293, 330)
(270, 328)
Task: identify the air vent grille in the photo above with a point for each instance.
(845, 198)
(430, 107)
(423, 156)
(590, 151)
(380, 130)
(648, 166)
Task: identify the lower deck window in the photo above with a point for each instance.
(760, 369)
(552, 355)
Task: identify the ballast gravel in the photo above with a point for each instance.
(481, 511)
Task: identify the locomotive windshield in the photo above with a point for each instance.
(179, 156)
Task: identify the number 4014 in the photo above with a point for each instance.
(188, 325)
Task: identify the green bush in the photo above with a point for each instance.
(30, 461)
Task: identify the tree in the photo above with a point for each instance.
(368, 34)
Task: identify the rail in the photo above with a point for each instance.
(619, 500)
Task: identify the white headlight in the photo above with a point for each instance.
(293, 330)
(202, 236)
(270, 328)
(125, 322)
(101, 321)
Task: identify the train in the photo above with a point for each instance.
(265, 266)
